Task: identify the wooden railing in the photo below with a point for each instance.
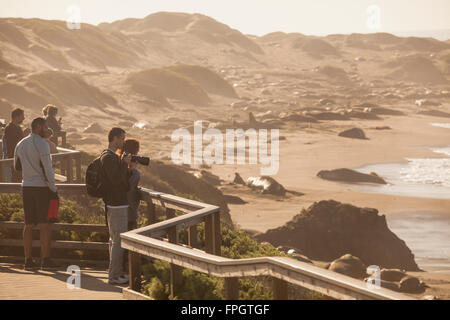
(62, 135)
(59, 244)
(64, 190)
(159, 240)
(68, 161)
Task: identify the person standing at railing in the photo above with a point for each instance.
(32, 157)
(13, 134)
(53, 124)
(131, 146)
(116, 173)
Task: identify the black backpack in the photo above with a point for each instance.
(94, 177)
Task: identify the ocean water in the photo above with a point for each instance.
(423, 178)
(442, 125)
(417, 177)
(427, 172)
(426, 234)
(428, 237)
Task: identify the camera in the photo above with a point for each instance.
(145, 161)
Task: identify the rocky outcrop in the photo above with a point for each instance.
(329, 229)
(354, 133)
(348, 175)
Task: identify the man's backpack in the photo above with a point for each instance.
(94, 178)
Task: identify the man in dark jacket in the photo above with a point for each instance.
(13, 134)
(116, 174)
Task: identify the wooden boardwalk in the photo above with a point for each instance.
(19, 284)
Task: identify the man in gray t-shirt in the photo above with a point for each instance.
(32, 157)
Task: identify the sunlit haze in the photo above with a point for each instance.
(319, 17)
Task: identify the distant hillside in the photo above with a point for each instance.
(207, 79)
(68, 89)
(201, 26)
(60, 88)
(176, 56)
(187, 83)
(415, 68)
(59, 47)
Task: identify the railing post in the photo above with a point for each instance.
(78, 168)
(280, 289)
(209, 239)
(213, 237)
(62, 166)
(2, 173)
(134, 267)
(217, 234)
(231, 288)
(63, 139)
(69, 168)
(176, 277)
(151, 212)
(192, 237)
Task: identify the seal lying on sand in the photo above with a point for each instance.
(348, 175)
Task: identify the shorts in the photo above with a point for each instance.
(36, 201)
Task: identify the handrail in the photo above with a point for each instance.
(63, 244)
(143, 241)
(63, 189)
(146, 242)
(65, 156)
(287, 269)
(64, 152)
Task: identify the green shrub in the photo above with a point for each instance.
(236, 244)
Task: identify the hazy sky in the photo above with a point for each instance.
(256, 16)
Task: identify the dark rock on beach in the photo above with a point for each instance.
(354, 133)
(329, 229)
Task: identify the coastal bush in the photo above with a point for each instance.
(236, 244)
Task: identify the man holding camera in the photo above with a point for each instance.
(116, 173)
